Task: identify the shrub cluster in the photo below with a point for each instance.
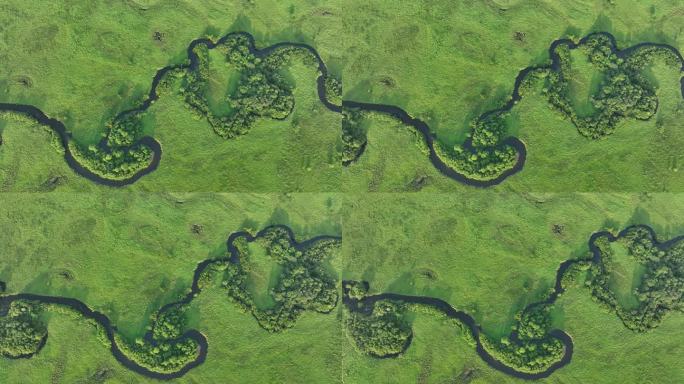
(21, 332)
(333, 90)
(261, 90)
(353, 134)
(662, 285)
(625, 93)
(571, 276)
(117, 156)
(162, 357)
(529, 348)
(383, 332)
(482, 156)
(165, 351)
(169, 324)
(355, 290)
(303, 285)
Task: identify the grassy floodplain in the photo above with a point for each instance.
(107, 240)
(121, 46)
(433, 67)
(459, 251)
(406, 228)
(450, 62)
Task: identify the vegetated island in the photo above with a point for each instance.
(485, 159)
(168, 350)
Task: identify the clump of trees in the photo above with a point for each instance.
(21, 331)
(333, 90)
(625, 93)
(646, 54)
(483, 156)
(532, 79)
(169, 324)
(353, 134)
(381, 333)
(163, 357)
(662, 286)
(118, 156)
(304, 284)
(261, 90)
(529, 348)
(355, 290)
(164, 350)
(571, 276)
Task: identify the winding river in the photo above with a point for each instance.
(366, 304)
(110, 329)
(65, 136)
(429, 137)
(395, 111)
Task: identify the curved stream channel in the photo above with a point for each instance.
(394, 111)
(366, 305)
(352, 304)
(65, 136)
(110, 329)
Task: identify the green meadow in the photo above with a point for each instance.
(406, 228)
(486, 253)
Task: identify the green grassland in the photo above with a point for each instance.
(490, 254)
(487, 253)
(447, 63)
(626, 276)
(113, 52)
(263, 276)
(194, 158)
(128, 254)
(429, 60)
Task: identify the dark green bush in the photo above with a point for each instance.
(166, 351)
(169, 324)
(163, 357)
(21, 331)
(353, 134)
(662, 286)
(484, 157)
(304, 284)
(261, 90)
(534, 350)
(333, 90)
(118, 156)
(381, 333)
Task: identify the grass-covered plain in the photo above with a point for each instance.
(113, 52)
(490, 254)
(128, 251)
(449, 62)
(446, 64)
(128, 254)
(487, 253)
